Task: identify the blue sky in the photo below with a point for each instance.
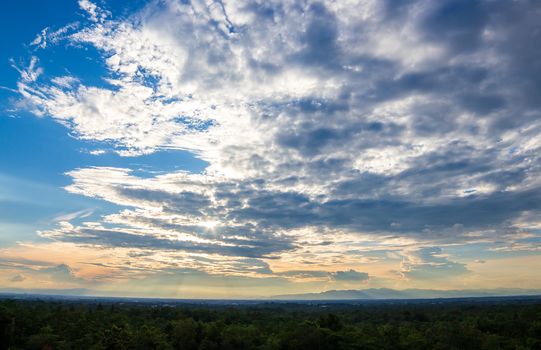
(234, 149)
(36, 152)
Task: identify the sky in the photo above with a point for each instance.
(236, 149)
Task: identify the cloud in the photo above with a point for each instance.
(413, 123)
(31, 73)
(17, 278)
(168, 240)
(431, 263)
(60, 273)
(23, 263)
(38, 271)
(459, 24)
(84, 213)
(304, 274)
(348, 276)
(95, 13)
(47, 37)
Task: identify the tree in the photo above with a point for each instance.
(185, 334)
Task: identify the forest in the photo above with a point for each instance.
(49, 324)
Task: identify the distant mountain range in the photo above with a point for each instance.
(385, 293)
(330, 295)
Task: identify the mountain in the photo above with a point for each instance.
(385, 293)
(330, 295)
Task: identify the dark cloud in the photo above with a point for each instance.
(311, 140)
(396, 9)
(319, 39)
(17, 278)
(118, 238)
(250, 220)
(473, 212)
(456, 23)
(517, 24)
(186, 202)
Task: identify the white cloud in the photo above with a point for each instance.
(318, 120)
(47, 37)
(74, 215)
(95, 13)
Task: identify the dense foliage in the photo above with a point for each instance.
(115, 325)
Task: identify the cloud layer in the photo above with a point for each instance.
(355, 130)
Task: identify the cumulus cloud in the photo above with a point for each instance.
(416, 122)
(348, 276)
(60, 273)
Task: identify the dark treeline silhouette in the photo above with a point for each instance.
(26, 324)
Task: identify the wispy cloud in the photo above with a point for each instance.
(84, 213)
